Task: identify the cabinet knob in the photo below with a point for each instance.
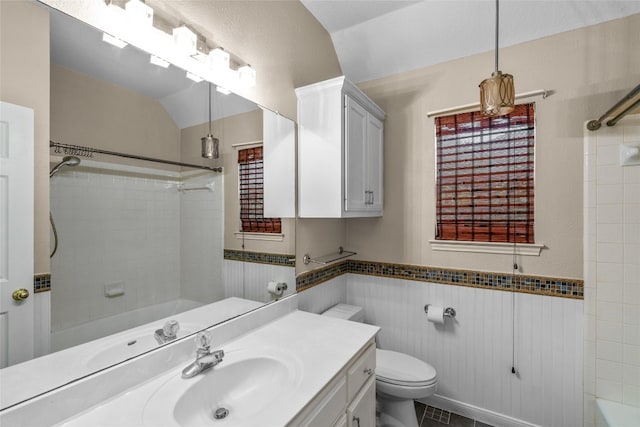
(356, 420)
(368, 371)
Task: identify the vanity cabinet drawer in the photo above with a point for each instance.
(360, 371)
(326, 407)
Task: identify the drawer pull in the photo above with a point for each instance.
(368, 371)
(356, 420)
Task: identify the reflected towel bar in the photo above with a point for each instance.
(326, 259)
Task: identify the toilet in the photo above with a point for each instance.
(400, 378)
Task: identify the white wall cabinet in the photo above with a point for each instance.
(349, 400)
(340, 151)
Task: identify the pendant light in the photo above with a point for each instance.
(210, 145)
(497, 94)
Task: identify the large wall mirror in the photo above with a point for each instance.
(137, 244)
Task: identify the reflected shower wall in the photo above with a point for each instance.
(135, 229)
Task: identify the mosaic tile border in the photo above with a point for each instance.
(539, 285)
(260, 257)
(41, 283)
(315, 277)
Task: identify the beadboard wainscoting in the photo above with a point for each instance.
(473, 352)
(249, 280)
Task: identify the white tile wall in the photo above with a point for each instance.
(612, 267)
(201, 239)
(130, 227)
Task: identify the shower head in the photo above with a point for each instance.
(66, 161)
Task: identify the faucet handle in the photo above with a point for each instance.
(171, 328)
(203, 340)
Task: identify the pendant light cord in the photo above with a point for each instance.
(209, 108)
(497, 21)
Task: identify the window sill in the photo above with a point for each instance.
(526, 249)
(269, 237)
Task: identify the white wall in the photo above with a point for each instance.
(611, 267)
(473, 353)
(249, 279)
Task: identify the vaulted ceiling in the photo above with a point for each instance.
(378, 38)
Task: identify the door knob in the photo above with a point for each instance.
(20, 294)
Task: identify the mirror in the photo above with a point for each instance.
(139, 243)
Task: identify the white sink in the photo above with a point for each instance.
(245, 383)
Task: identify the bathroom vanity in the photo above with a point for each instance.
(289, 368)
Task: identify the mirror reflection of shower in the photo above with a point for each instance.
(66, 161)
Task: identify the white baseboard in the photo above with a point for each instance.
(483, 415)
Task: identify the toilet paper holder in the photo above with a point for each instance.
(448, 312)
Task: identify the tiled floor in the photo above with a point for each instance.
(428, 416)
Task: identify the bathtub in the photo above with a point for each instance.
(614, 414)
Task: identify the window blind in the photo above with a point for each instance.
(485, 176)
(251, 191)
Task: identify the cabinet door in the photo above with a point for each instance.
(355, 140)
(374, 163)
(362, 410)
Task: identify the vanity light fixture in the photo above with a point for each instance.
(139, 13)
(210, 145)
(219, 59)
(497, 93)
(247, 76)
(193, 77)
(156, 60)
(113, 40)
(132, 22)
(185, 40)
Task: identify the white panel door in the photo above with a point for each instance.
(355, 181)
(16, 233)
(374, 162)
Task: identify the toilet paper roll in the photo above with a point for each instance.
(435, 314)
(276, 288)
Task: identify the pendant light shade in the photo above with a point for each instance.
(210, 145)
(497, 93)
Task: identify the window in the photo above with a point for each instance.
(251, 191)
(485, 177)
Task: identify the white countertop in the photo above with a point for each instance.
(321, 347)
(53, 370)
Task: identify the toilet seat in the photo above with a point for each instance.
(403, 370)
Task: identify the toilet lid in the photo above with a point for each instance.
(401, 369)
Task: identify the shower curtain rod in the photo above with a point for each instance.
(595, 124)
(79, 150)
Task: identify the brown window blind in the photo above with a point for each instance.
(485, 176)
(251, 189)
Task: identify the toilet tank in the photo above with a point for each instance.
(347, 312)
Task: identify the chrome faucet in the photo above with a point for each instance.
(169, 332)
(205, 359)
